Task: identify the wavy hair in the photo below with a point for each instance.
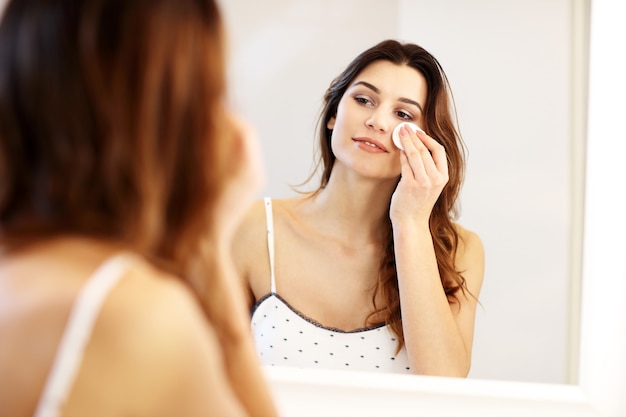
(111, 123)
(439, 122)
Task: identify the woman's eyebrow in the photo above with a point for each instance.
(413, 102)
(402, 99)
(368, 85)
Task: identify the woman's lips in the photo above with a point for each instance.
(369, 144)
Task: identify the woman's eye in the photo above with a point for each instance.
(404, 115)
(362, 100)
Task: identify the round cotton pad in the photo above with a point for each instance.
(395, 136)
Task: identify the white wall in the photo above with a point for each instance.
(509, 66)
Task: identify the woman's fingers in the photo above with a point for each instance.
(425, 155)
(437, 153)
(405, 166)
(424, 174)
(411, 153)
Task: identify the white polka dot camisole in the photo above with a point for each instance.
(286, 337)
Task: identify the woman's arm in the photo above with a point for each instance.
(438, 334)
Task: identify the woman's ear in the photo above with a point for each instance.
(331, 123)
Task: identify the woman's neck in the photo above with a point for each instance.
(357, 209)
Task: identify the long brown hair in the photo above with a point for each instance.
(111, 123)
(440, 123)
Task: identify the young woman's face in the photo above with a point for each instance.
(379, 98)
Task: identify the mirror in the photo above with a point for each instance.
(601, 364)
(517, 74)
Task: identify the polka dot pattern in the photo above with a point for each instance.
(285, 337)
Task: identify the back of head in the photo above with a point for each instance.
(110, 114)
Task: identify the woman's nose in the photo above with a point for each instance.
(379, 121)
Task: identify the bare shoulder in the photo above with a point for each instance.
(470, 258)
(469, 241)
(151, 335)
(250, 253)
(251, 228)
(250, 245)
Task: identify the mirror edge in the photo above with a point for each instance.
(579, 99)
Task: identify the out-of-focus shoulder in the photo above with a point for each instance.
(153, 323)
(166, 297)
(153, 314)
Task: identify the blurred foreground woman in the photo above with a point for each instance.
(123, 178)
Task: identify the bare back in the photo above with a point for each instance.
(149, 335)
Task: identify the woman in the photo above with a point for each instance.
(123, 180)
(370, 271)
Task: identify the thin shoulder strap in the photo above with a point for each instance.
(269, 219)
(78, 331)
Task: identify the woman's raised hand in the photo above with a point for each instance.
(423, 176)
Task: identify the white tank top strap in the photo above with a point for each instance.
(269, 219)
(78, 331)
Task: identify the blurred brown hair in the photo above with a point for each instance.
(112, 123)
(440, 123)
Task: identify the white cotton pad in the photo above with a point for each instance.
(395, 136)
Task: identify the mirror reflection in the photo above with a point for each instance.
(509, 66)
(370, 271)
